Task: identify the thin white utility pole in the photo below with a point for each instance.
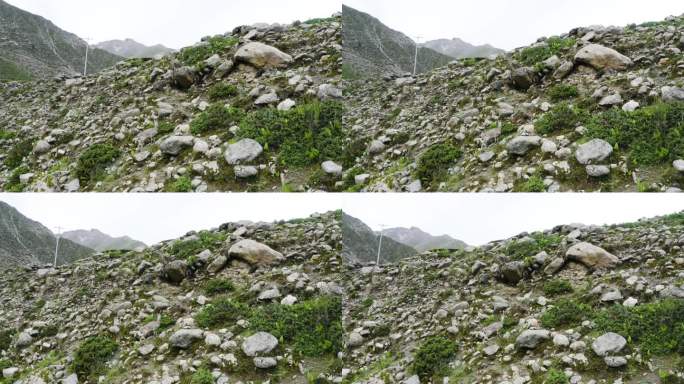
(59, 234)
(85, 67)
(382, 232)
(415, 61)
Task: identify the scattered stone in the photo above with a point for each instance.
(259, 343)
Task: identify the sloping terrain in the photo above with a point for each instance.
(371, 48)
(596, 109)
(131, 49)
(99, 241)
(33, 47)
(25, 243)
(240, 303)
(423, 241)
(360, 244)
(255, 109)
(575, 304)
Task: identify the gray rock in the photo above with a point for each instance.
(376, 146)
(286, 105)
(630, 106)
(24, 339)
(523, 78)
(9, 373)
(71, 379)
(267, 98)
(564, 70)
(608, 344)
(615, 361)
(184, 77)
(218, 264)
(175, 272)
(329, 91)
(265, 362)
(611, 100)
(331, 168)
(491, 350)
(678, 165)
(593, 151)
(184, 338)
(598, 170)
(41, 147)
(243, 151)
(355, 339)
(611, 295)
(554, 266)
(530, 339)
(513, 272)
(260, 55)
(254, 253)
(412, 380)
(259, 343)
(174, 145)
(591, 256)
(672, 94)
(600, 57)
(522, 144)
(245, 171)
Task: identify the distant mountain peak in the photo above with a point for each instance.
(423, 241)
(130, 48)
(100, 241)
(457, 48)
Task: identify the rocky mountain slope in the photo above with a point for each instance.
(99, 241)
(460, 49)
(258, 108)
(371, 48)
(24, 242)
(33, 47)
(360, 244)
(596, 109)
(574, 304)
(131, 49)
(423, 241)
(241, 303)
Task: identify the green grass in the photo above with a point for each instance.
(306, 134)
(557, 287)
(313, 327)
(555, 376)
(182, 184)
(562, 116)
(196, 55)
(216, 117)
(16, 155)
(656, 327)
(6, 336)
(434, 164)
(534, 184)
(565, 313)
(92, 164)
(218, 286)
(649, 136)
(185, 249)
(523, 250)
(562, 92)
(92, 355)
(221, 312)
(14, 182)
(201, 376)
(6, 135)
(221, 91)
(433, 357)
(553, 46)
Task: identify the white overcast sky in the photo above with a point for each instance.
(474, 218)
(174, 23)
(509, 24)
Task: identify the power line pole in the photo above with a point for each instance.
(415, 61)
(382, 232)
(85, 66)
(59, 235)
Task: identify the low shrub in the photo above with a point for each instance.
(15, 156)
(433, 166)
(218, 286)
(184, 249)
(221, 91)
(521, 250)
(216, 117)
(555, 376)
(562, 92)
(433, 357)
(534, 184)
(313, 327)
(92, 163)
(6, 338)
(180, 185)
(196, 54)
(557, 287)
(92, 355)
(554, 45)
(565, 313)
(221, 312)
(201, 376)
(562, 116)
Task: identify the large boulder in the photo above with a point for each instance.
(41, 147)
(258, 344)
(175, 271)
(254, 253)
(523, 78)
(672, 94)
(600, 57)
(530, 339)
(184, 77)
(591, 256)
(174, 145)
(184, 338)
(261, 55)
(593, 151)
(522, 144)
(608, 344)
(513, 272)
(243, 151)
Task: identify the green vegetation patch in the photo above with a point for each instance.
(6, 135)
(16, 155)
(92, 355)
(433, 357)
(6, 338)
(554, 45)
(201, 376)
(650, 135)
(222, 312)
(534, 183)
(556, 376)
(563, 92)
(216, 117)
(92, 164)
(658, 328)
(218, 286)
(306, 134)
(180, 185)
(215, 45)
(11, 72)
(525, 249)
(185, 249)
(433, 166)
(557, 287)
(562, 116)
(14, 182)
(565, 313)
(313, 327)
(221, 91)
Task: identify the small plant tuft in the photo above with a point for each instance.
(435, 162)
